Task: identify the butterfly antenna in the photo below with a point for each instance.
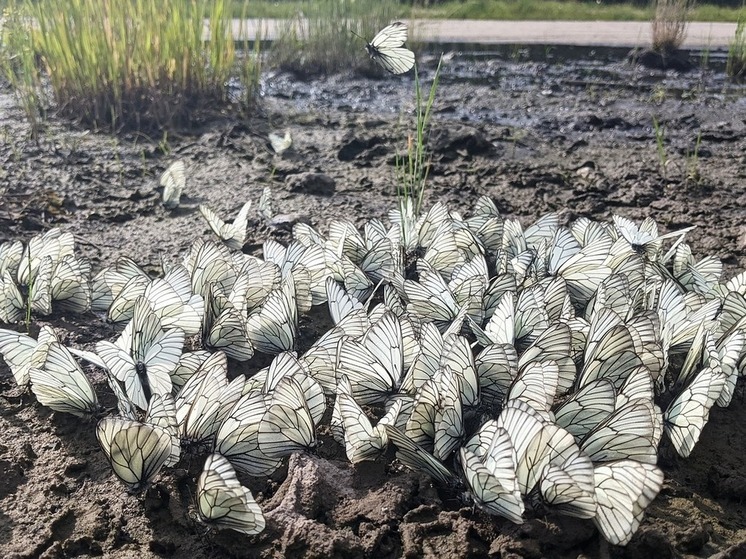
(358, 36)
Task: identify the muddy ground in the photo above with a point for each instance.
(575, 137)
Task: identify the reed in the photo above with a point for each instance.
(126, 64)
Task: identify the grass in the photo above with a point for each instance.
(736, 63)
(323, 36)
(692, 161)
(130, 64)
(660, 138)
(669, 24)
(414, 166)
(510, 10)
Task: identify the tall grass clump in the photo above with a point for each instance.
(125, 63)
(414, 166)
(669, 24)
(321, 39)
(736, 63)
(18, 65)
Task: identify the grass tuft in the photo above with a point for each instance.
(669, 24)
(736, 63)
(125, 64)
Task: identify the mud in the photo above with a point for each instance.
(576, 137)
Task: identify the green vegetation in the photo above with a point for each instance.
(413, 167)
(692, 161)
(660, 138)
(125, 64)
(736, 64)
(669, 24)
(320, 35)
(504, 9)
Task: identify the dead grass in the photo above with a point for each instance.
(669, 24)
(736, 64)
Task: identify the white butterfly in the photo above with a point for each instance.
(610, 351)
(644, 239)
(22, 352)
(266, 209)
(54, 243)
(309, 267)
(700, 276)
(173, 181)
(12, 304)
(123, 304)
(232, 234)
(688, 413)
(375, 364)
(68, 284)
(493, 489)
(208, 262)
(161, 412)
(224, 327)
(730, 351)
(362, 441)
(582, 267)
(144, 355)
(287, 426)
(61, 384)
(172, 301)
(280, 144)
(237, 437)
(449, 421)
(387, 49)
(420, 425)
(321, 356)
(274, 327)
(222, 500)
(205, 399)
(628, 433)
(623, 491)
(413, 455)
(11, 253)
(107, 284)
(586, 408)
(497, 367)
(189, 363)
(136, 451)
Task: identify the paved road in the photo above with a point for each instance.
(584, 33)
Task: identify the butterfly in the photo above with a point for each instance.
(144, 355)
(232, 234)
(387, 49)
(137, 451)
(60, 383)
(223, 501)
(623, 490)
(173, 181)
(362, 440)
(288, 425)
(279, 143)
(688, 413)
(487, 489)
(22, 352)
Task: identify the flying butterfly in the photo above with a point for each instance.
(387, 49)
